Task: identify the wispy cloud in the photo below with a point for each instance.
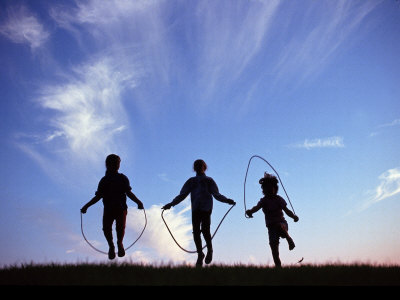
(98, 12)
(330, 142)
(388, 187)
(23, 27)
(381, 127)
(229, 37)
(391, 124)
(331, 25)
(83, 117)
(88, 110)
(136, 30)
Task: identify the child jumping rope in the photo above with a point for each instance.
(201, 189)
(113, 188)
(273, 206)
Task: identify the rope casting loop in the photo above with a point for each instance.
(93, 247)
(176, 242)
(245, 179)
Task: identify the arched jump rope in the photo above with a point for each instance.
(192, 251)
(245, 178)
(244, 187)
(83, 234)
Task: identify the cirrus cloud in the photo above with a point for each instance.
(23, 27)
(330, 142)
(388, 187)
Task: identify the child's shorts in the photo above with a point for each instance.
(276, 231)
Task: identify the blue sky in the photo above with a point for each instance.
(311, 86)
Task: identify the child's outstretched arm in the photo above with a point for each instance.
(254, 209)
(94, 200)
(290, 214)
(215, 192)
(135, 199)
(185, 191)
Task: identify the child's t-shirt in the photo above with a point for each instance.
(201, 189)
(113, 188)
(272, 207)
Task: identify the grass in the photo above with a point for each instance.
(214, 275)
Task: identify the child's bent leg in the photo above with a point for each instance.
(290, 243)
(285, 234)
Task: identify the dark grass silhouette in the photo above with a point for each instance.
(215, 275)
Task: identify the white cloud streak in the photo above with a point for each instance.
(134, 29)
(391, 124)
(388, 187)
(86, 113)
(84, 119)
(330, 142)
(106, 12)
(88, 110)
(229, 37)
(22, 27)
(98, 12)
(384, 126)
(331, 24)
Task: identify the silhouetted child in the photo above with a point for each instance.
(202, 189)
(113, 188)
(273, 206)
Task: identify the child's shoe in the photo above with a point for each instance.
(121, 250)
(209, 257)
(111, 253)
(200, 258)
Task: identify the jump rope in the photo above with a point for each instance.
(193, 251)
(216, 230)
(93, 247)
(245, 179)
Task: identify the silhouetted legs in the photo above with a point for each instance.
(275, 255)
(276, 231)
(201, 221)
(120, 222)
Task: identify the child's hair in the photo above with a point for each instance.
(112, 162)
(269, 184)
(199, 166)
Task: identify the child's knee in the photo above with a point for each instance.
(120, 229)
(205, 228)
(196, 231)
